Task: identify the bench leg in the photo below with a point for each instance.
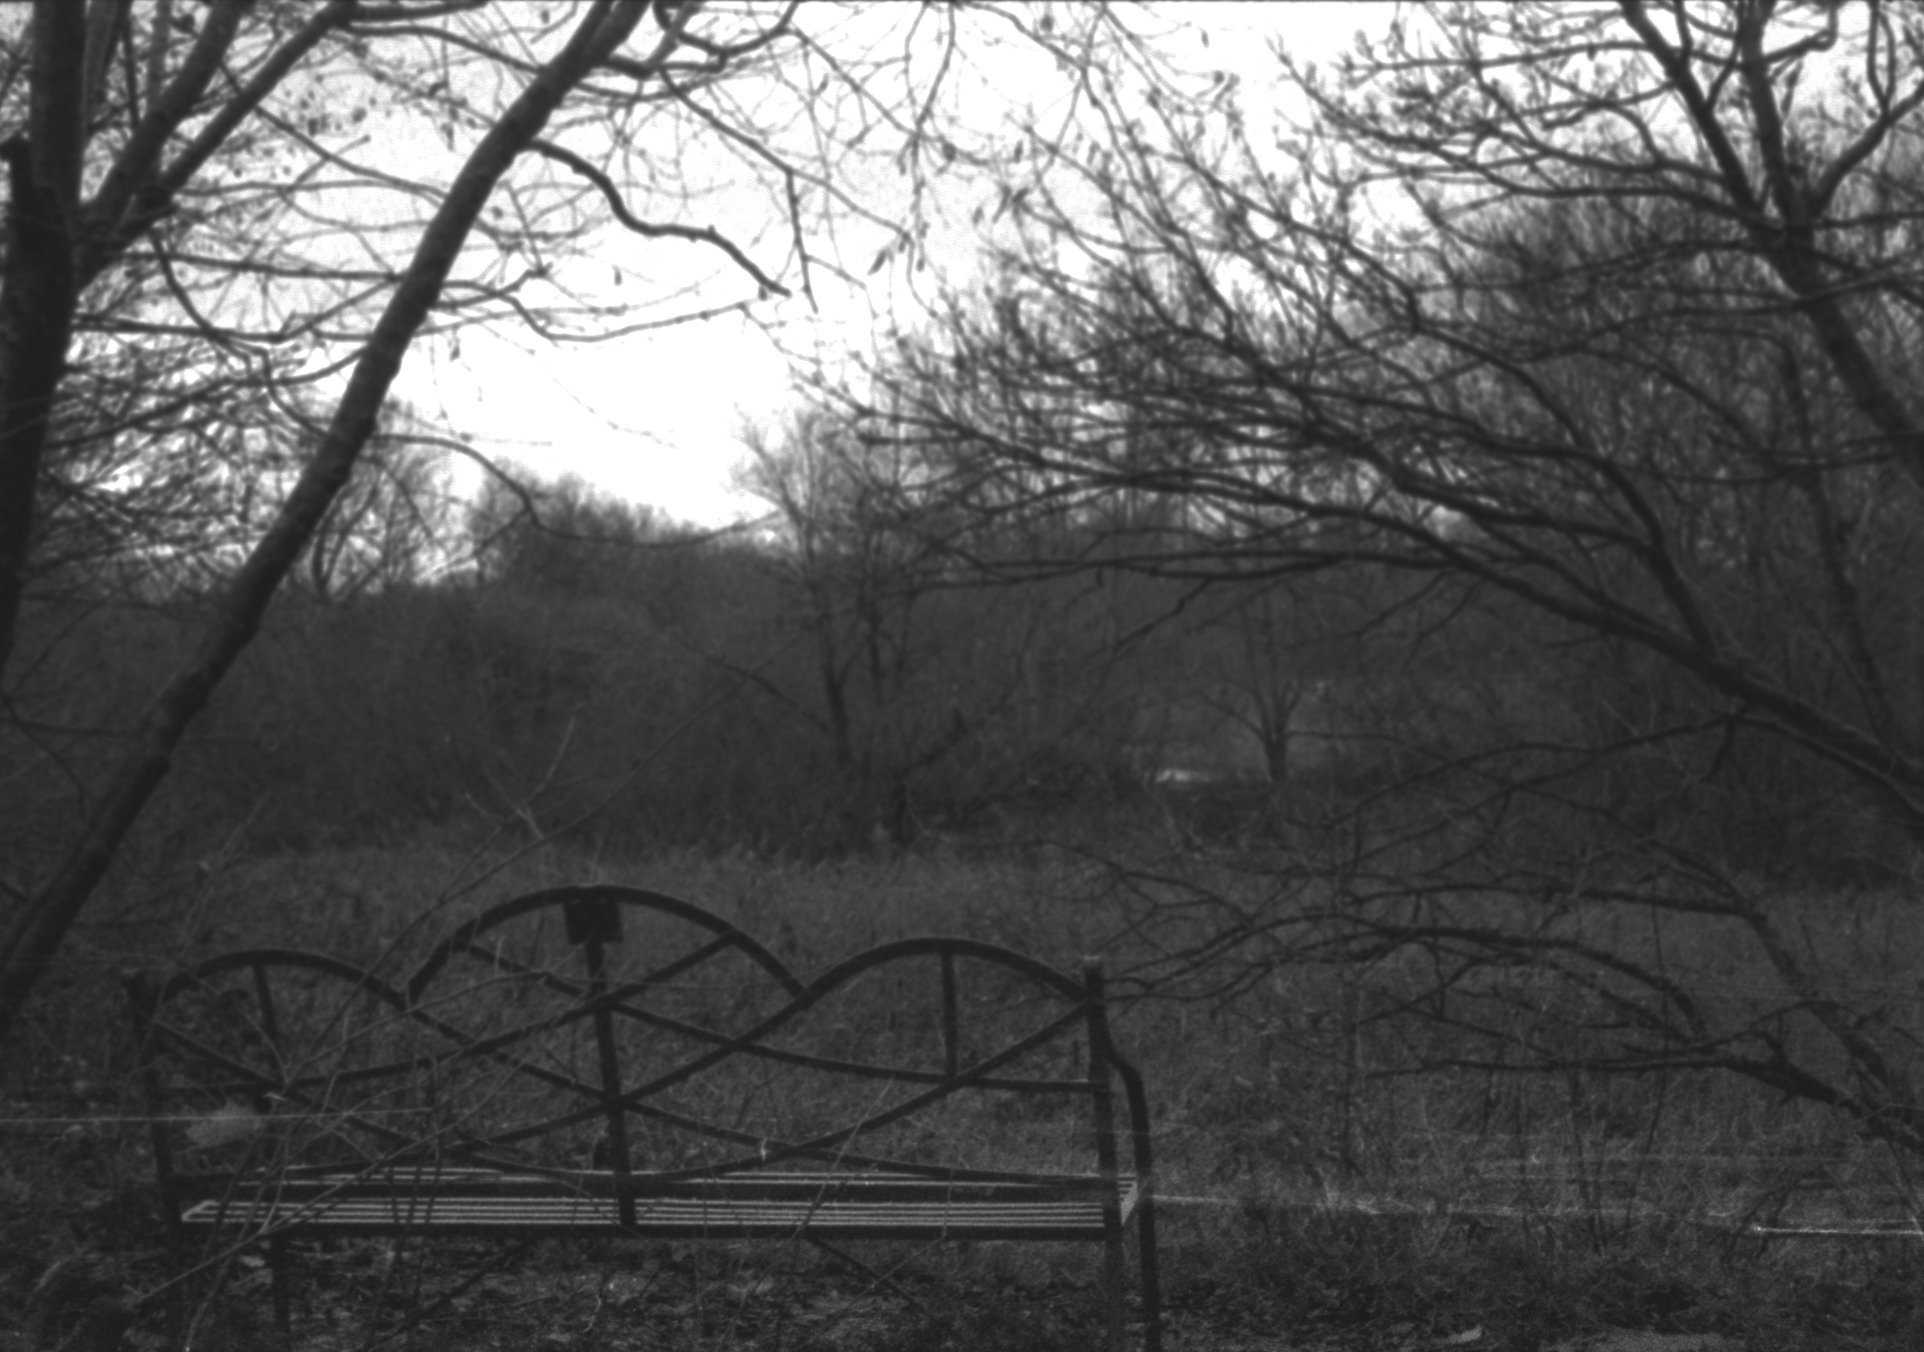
(1151, 1270)
(176, 1302)
(1113, 1287)
(283, 1307)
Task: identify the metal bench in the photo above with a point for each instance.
(615, 1062)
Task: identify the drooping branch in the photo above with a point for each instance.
(649, 230)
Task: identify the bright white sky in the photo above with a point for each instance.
(657, 418)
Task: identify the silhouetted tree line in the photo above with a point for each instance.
(210, 278)
(884, 660)
(1580, 340)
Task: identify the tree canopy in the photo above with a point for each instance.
(1604, 308)
(1596, 321)
(229, 224)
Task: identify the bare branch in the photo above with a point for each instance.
(695, 234)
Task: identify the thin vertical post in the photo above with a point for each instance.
(270, 1021)
(951, 1036)
(1105, 1115)
(143, 1002)
(276, 1241)
(1146, 1257)
(283, 1307)
(593, 922)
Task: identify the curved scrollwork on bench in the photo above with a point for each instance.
(608, 1060)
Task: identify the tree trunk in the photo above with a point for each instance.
(237, 616)
(38, 291)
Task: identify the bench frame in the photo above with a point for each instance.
(818, 1189)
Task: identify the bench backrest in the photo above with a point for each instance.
(615, 1031)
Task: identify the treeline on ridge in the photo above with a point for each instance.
(860, 670)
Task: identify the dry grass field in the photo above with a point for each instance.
(1317, 1191)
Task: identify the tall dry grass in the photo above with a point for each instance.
(1314, 1175)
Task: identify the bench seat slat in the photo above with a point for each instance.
(866, 1188)
(663, 1218)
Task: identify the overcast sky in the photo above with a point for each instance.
(657, 418)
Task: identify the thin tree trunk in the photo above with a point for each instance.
(38, 290)
(237, 616)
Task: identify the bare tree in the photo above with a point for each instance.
(1597, 321)
(212, 168)
(863, 573)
